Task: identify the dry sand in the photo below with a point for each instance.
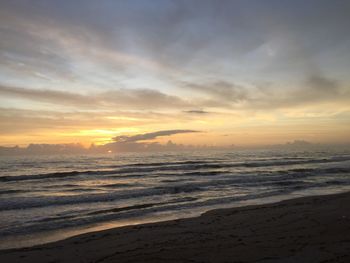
(311, 229)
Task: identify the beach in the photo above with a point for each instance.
(174, 131)
(308, 229)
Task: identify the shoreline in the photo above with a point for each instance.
(305, 229)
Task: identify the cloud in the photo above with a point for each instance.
(45, 95)
(220, 90)
(123, 98)
(196, 112)
(143, 99)
(171, 59)
(149, 136)
(31, 122)
(314, 88)
(322, 85)
(67, 41)
(251, 36)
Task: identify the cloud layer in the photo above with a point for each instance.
(84, 67)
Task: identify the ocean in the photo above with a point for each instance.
(48, 198)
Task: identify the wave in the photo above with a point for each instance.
(56, 222)
(180, 166)
(131, 212)
(42, 201)
(39, 176)
(142, 206)
(159, 164)
(116, 185)
(12, 191)
(292, 178)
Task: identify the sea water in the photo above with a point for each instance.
(47, 198)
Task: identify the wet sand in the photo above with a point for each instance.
(311, 229)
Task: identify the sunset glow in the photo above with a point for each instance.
(174, 131)
(73, 73)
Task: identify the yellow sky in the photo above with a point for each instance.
(216, 129)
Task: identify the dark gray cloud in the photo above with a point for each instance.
(149, 136)
(196, 112)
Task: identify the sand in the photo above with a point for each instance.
(311, 229)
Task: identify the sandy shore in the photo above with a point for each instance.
(312, 229)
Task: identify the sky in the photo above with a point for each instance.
(215, 72)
